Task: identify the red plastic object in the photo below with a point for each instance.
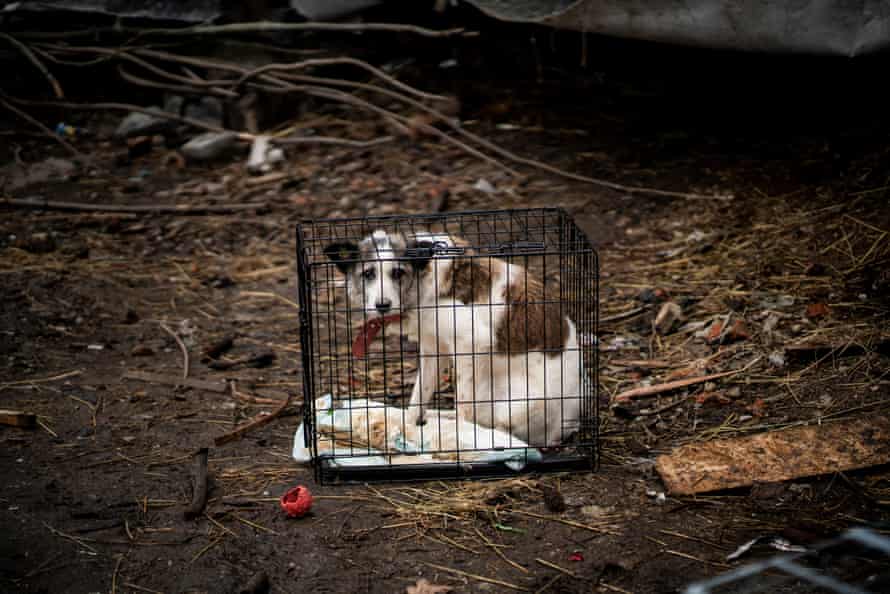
(297, 502)
(576, 556)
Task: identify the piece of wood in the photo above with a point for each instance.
(171, 209)
(17, 418)
(199, 494)
(256, 422)
(668, 386)
(175, 380)
(776, 456)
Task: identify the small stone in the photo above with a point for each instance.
(209, 145)
(137, 123)
(668, 317)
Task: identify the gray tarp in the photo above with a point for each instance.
(839, 27)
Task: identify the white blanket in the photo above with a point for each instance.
(368, 433)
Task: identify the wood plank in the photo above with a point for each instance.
(776, 456)
(17, 418)
(177, 380)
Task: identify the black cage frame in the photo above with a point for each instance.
(545, 240)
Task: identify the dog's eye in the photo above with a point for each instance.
(369, 274)
(397, 273)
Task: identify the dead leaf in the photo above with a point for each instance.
(738, 331)
(817, 310)
(424, 587)
(715, 331)
(712, 398)
(757, 408)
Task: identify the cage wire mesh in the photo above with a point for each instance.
(448, 345)
(857, 562)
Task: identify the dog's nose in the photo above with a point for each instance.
(383, 306)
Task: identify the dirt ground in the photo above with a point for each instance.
(793, 245)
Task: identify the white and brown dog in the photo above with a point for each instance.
(516, 357)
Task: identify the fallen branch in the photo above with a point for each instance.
(199, 495)
(333, 61)
(556, 567)
(474, 576)
(190, 89)
(200, 124)
(57, 88)
(253, 27)
(68, 146)
(331, 141)
(180, 209)
(323, 88)
(257, 422)
(667, 387)
(269, 26)
(624, 315)
(130, 107)
(40, 380)
(17, 418)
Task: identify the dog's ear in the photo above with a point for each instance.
(419, 253)
(344, 254)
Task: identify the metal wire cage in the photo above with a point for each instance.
(448, 345)
(856, 562)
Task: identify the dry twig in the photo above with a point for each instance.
(57, 88)
(46, 131)
(199, 495)
(668, 386)
(182, 347)
(174, 209)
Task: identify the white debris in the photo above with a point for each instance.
(263, 156)
(483, 185)
(777, 359)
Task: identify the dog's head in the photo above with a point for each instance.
(383, 271)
